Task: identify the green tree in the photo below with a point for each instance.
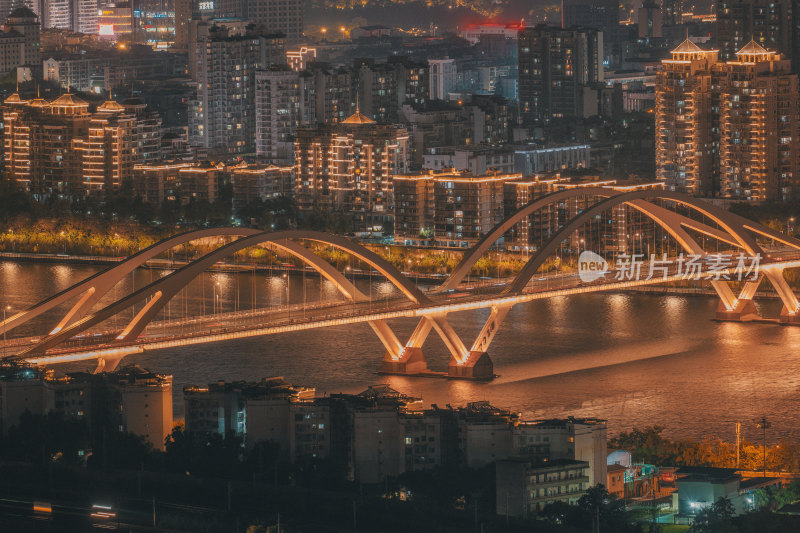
(716, 518)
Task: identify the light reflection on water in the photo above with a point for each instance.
(634, 359)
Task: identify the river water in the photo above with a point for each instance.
(634, 359)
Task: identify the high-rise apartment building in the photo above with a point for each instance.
(383, 88)
(650, 20)
(730, 128)
(349, 166)
(442, 77)
(280, 16)
(153, 22)
(61, 148)
(685, 120)
(771, 23)
(672, 11)
(377, 90)
(280, 108)
(84, 16)
(758, 126)
(19, 41)
(333, 92)
(222, 117)
(601, 15)
(555, 67)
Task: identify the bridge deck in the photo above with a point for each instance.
(229, 326)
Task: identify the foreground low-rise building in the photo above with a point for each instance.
(130, 399)
(525, 487)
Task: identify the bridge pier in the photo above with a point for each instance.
(790, 314)
(478, 365)
(744, 311)
(789, 317)
(410, 361)
(107, 364)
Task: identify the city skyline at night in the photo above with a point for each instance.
(486, 266)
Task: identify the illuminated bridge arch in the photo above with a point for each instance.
(736, 227)
(735, 232)
(732, 229)
(93, 288)
(158, 293)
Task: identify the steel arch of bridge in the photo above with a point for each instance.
(735, 231)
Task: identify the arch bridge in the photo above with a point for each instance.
(694, 226)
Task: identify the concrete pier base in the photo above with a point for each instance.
(477, 366)
(789, 318)
(745, 311)
(411, 361)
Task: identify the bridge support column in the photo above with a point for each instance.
(730, 307)
(408, 359)
(107, 364)
(477, 365)
(790, 314)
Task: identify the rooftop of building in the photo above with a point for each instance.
(463, 176)
(358, 118)
(69, 100)
(562, 423)
(544, 464)
(707, 474)
(267, 387)
(110, 106)
(758, 482)
(135, 375)
(22, 12)
(472, 148)
(687, 46)
(753, 48)
(20, 371)
(14, 98)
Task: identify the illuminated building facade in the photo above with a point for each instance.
(61, 148)
(84, 16)
(115, 22)
(454, 209)
(727, 128)
(383, 88)
(153, 22)
(187, 182)
(349, 166)
(758, 126)
(299, 59)
(685, 144)
(262, 182)
(467, 207)
(474, 32)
